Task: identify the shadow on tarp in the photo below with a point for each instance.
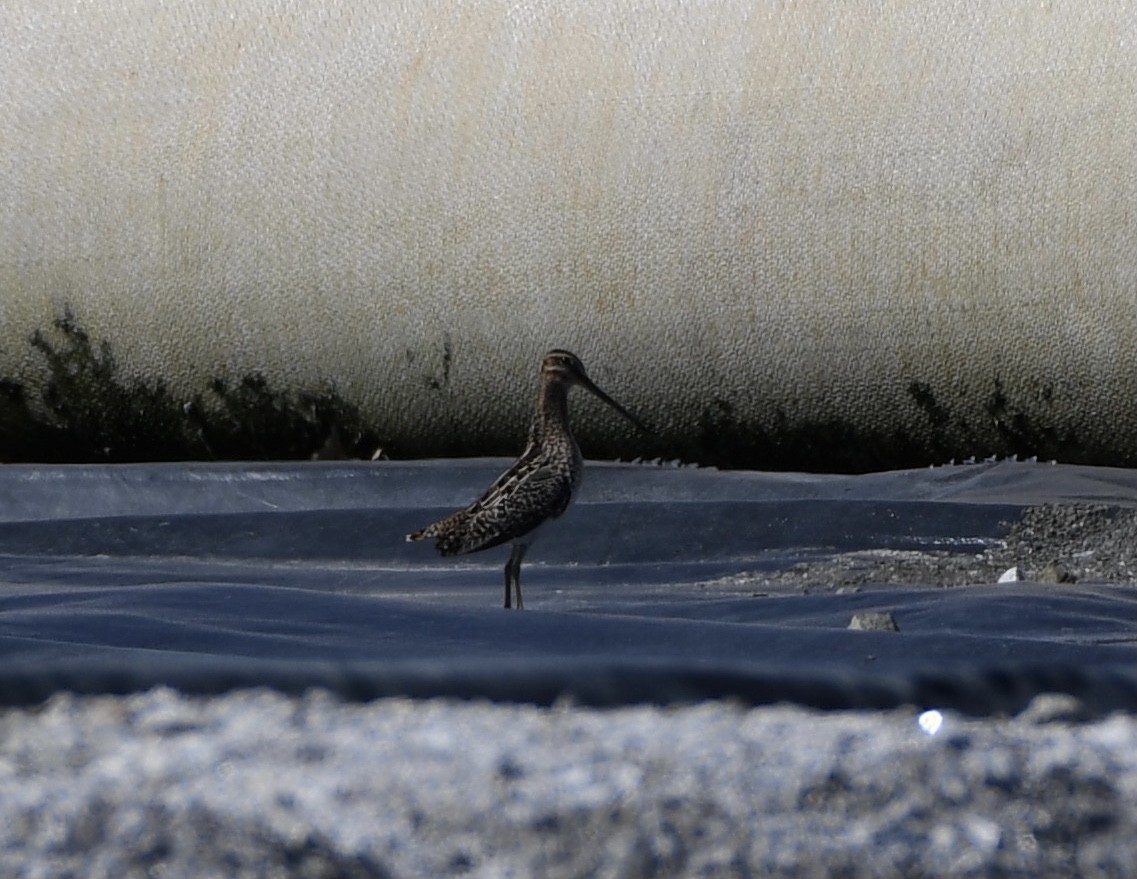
(214, 577)
(591, 683)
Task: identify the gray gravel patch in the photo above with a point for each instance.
(1051, 543)
(255, 784)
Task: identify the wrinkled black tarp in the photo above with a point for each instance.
(210, 577)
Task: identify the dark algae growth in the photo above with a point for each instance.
(83, 407)
(87, 411)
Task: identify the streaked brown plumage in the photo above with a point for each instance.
(538, 488)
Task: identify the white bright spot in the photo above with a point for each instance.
(1011, 575)
(931, 721)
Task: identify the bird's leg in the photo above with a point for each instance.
(513, 575)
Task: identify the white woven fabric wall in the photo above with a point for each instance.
(797, 209)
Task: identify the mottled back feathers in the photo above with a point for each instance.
(539, 486)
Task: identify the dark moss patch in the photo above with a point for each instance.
(447, 360)
(247, 419)
(725, 440)
(88, 412)
(84, 412)
(1020, 434)
(96, 411)
(925, 400)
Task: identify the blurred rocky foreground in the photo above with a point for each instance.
(258, 784)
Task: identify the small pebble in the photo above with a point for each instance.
(1056, 574)
(1054, 708)
(874, 621)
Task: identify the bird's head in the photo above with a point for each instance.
(565, 367)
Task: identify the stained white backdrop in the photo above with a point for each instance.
(794, 213)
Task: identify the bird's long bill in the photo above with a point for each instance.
(587, 383)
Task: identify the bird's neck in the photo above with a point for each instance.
(551, 415)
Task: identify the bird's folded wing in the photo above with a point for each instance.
(516, 504)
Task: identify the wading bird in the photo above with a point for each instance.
(537, 489)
